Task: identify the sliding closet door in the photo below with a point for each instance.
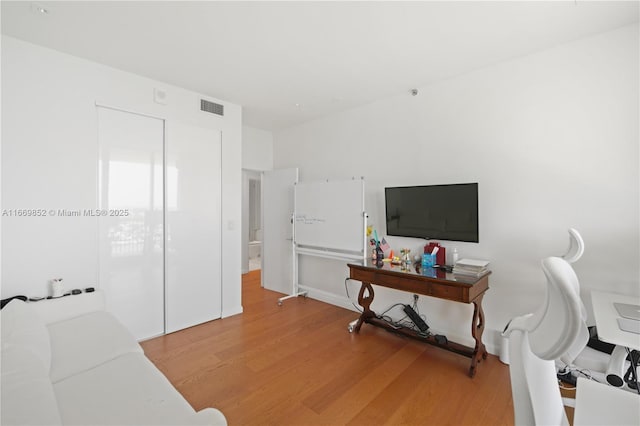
(193, 220)
(131, 232)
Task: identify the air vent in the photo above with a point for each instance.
(211, 107)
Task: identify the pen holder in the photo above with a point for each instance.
(441, 255)
(428, 260)
(429, 272)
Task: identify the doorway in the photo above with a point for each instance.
(252, 221)
(255, 227)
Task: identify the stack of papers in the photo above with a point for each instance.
(471, 268)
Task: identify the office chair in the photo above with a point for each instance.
(576, 246)
(601, 360)
(536, 340)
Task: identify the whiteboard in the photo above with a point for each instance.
(330, 215)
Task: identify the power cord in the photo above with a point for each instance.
(346, 289)
(415, 308)
(566, 375)
(404, 321)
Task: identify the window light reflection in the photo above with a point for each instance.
(137, 187)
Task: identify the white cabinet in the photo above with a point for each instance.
(159, 229)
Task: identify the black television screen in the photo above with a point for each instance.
(443, 212)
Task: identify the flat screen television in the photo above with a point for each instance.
(442, 212)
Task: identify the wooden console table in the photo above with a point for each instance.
(429, 282)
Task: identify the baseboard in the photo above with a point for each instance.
(330, 298)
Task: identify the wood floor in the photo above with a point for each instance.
(298, 365)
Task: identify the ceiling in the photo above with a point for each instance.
(290, 62)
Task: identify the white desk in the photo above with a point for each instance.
(606, 317)
(598, 404)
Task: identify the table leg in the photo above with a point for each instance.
(365, 297)
(477, 328)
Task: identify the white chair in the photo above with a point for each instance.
(576, 246)
(601, 365)
(573, 254)
(536, 340)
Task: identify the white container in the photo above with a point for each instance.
(454, 257)
(57, 288)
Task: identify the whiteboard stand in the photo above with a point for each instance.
(325, 224)
(294, 272)
(326, 254)
(299, 293)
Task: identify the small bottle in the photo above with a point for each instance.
(454, 257)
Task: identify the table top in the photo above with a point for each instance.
(416, 270)
(599, 404)
(606, 317)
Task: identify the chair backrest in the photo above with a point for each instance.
(560, 326)
(573, 254)
(576, 246)
(536, 340)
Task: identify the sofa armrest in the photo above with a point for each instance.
(67, 307)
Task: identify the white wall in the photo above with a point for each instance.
(257, 149)
(49, 161)
(552, 140)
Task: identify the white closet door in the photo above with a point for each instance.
(193, 225)
(131, 235)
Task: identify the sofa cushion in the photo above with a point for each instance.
(23, 327)
(206, 417)
(27, 393)
(84, 342)
(128, 390)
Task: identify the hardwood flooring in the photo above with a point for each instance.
(298, 365)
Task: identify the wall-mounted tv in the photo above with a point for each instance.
(439, 212)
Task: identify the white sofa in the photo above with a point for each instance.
(68, 362)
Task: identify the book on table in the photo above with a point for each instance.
(471, 268)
